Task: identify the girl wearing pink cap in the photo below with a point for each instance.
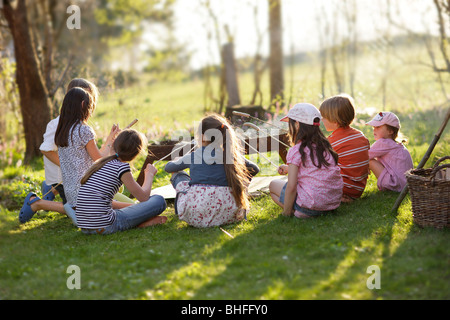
(314, 184)
(389, 160)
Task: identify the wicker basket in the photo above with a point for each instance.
(430, 195)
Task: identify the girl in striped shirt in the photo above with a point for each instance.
(96, 212)
(351, 145)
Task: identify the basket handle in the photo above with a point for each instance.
(440, 160)
(435, 170)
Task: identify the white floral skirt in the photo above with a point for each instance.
(205, 206)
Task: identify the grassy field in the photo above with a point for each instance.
(269, 256)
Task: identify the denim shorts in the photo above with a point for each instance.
(308, 212)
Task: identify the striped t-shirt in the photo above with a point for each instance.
(94, 203)
(352, 148)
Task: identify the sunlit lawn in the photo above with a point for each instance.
(268, 256)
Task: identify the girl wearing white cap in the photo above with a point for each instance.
(314, 184)
(389, 160)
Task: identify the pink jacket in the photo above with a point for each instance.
(396, 161)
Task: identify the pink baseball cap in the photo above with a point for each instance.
(304, 113)
(385, 117)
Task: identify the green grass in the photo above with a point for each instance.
(269, 256)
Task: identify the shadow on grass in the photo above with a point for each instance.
(270, 257)
(288, 258)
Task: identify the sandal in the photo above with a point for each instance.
(46, 192)
(26, 213)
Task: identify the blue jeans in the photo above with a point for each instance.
(178, 177)
(132, 216)
(308, 212)
(70, 213)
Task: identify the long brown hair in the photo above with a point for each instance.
(76, 108)
(128, 144)
(236, 172)
(311, 137)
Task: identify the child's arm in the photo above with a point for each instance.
(107, 148)
(52, 156)
(92, 150)
(141, 193)
(378, 149)
(291, 190)
(178, 164)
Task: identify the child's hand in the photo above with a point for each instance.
(115, 130)
(150, 170)
(283, 169)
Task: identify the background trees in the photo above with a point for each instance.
(47, 53)
(112, 48)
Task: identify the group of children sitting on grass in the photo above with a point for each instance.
(322, 171)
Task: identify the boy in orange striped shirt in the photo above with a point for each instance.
(350, 144)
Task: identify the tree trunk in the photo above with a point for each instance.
(231, 78)
(276, 52)
(34, 102)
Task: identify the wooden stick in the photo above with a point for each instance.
(51, 189)
(226, 233)
(254, 126)
(423, 161)
(132, 123)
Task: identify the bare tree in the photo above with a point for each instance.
(443, 8)
(34, 102)
(276, 64)
(324, 31)
(218, 35)
(259, 65)
(443, 20)
(350, 13)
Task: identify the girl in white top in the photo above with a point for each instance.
(51, 163)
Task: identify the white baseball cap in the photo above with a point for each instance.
(304, 113)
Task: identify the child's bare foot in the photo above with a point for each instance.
(153, 221)
(301, 215)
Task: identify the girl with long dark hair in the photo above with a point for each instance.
(314, 184)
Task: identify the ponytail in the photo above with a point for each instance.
(128, 144)
(97, 166)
